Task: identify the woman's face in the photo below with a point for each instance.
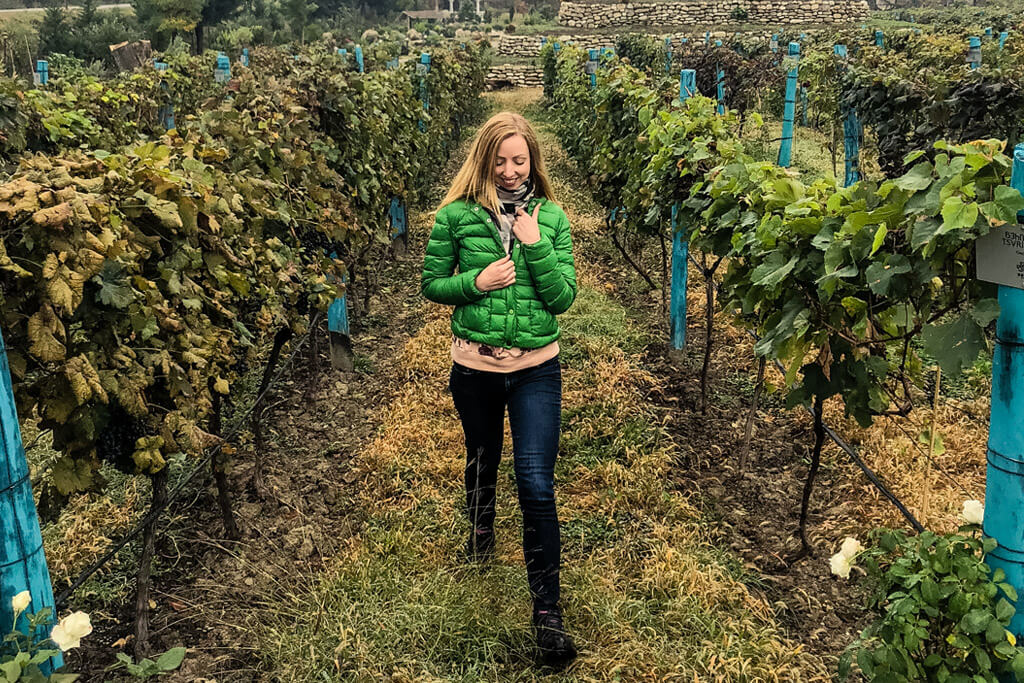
(512, 167)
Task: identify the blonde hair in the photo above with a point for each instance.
(475, 180)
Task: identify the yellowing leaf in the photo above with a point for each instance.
(221, 386)
(44, 345)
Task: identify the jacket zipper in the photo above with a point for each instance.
(510, 296)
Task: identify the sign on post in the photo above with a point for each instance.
(222, 74)
(687, 84)
(1000, 256)
(41, 76)
(974, 51)
(591, 67)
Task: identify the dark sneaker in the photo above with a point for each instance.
(555, 645)
(479, 546)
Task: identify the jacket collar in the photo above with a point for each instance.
(477, 207)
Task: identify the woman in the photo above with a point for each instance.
(500, 225)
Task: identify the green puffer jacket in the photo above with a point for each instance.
(522, 315)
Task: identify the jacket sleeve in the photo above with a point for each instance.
(438, 282)
(553, 268)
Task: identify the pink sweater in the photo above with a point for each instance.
(499, 359)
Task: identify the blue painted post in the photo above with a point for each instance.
(222, 74)
(245, 56)
(687, 84)
(41, 76)
(974, 51)
(680, 275)
(668, 55)
(1005, 475)
(851, 134)
(773, 44)
(359, 59)
(1003, 35)
(166, 112)
(786, 148)
(720, 84)
(680, 245)
(879, 38)
(22, 559)
(338, 331)
(988, 32)
(592, 67)
(423, 68)
(707, 37)
(397, 217)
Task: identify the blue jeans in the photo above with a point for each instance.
(534, 400)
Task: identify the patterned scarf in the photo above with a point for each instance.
(511, 200)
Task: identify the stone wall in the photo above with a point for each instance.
(514, 76)
(529, 46)
(776, 12)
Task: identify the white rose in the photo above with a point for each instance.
(974, 512)
(21, 601)
(841, 565)
(69, 632)
(851, 546)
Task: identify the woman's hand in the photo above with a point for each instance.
(498, 275)
(526, 228)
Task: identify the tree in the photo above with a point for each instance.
(162, 19)
(87, 15)
(214, 12)
(54, 31)
(298, 13)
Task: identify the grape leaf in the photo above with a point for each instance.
(955, 345)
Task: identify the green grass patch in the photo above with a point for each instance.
(595, 317)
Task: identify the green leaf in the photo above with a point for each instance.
(917, 178)
(995, 633)
(985, 311)
(957, 215)
(879, 239)
(955, 345)
(11, 671)
(930, 591)
(880, 275)
(1005, 205)
(1004, 610)
(975, 621)
(773, 270)
(171, 660)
